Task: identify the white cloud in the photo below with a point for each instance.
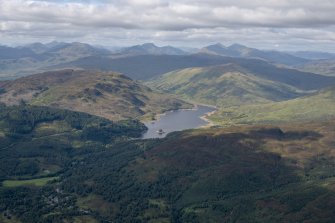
(183, 21)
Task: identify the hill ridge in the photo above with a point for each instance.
(107, 94)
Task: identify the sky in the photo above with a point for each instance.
(286, 25)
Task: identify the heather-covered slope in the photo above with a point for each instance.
(109, 95)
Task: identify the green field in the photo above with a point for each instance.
(34, 182)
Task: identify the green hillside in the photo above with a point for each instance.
(109, 95)
(37, 145)
(53, 161)
(319, 106)
(36, 141)
(224, 86)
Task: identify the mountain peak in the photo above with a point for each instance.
(149, 44)
(151, 48)
(237, 46)
(218, 45)
(217, 48)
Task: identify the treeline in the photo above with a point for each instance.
(25, 156)
(24, 118)
(19, 147)
(29, 204)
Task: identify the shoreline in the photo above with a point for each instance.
(201, 104)
(205, 118)
(195, 107)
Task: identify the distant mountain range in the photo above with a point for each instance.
(15, 53)
(311, 55)
(30, 59)
(44, 51)
(237, 50)
(139, 62)
(150, 48)
(324, 67)
(108, 95)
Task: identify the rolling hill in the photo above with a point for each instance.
(238, 84)
(144, 67)
(109, 95)
(319, 106)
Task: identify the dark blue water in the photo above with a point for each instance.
(177, 121)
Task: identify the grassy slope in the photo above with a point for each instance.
(315, 107)
(109, 95)
(224, 86)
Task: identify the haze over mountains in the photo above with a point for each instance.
(150, 48)
(32, 58)
(38, 57)
(237, 50)
(39, 50)
(146, 66)
(325, 67)
(310, 55)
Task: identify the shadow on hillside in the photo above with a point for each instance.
(277, 133)
(234, 177)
